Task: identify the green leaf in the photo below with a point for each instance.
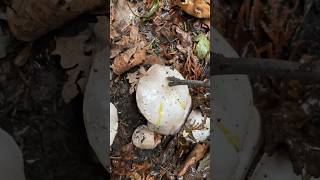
(153, 9)
(203, 46)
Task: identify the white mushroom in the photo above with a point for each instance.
(144, 138)
(166, 108)
(113, 122)
(199, 126)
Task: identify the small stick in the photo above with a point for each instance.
(193, 83)
(270, 67)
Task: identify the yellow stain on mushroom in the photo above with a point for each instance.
(234, 140)
(182, 104)
(160, 114)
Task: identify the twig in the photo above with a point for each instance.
(270, 67)
(193, 83)
(196, 154)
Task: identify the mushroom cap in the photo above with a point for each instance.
(166, 108)
(144, 138)
(113, 122)
(195, 119)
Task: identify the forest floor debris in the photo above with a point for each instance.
(165, 33)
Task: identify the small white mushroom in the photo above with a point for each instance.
(113, 122)
(166, 108)
(144, 138)
(199, 126)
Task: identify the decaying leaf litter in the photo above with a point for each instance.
(284, 30)
(145, 33)
(42, 81)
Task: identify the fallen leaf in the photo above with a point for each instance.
(123, 16)
(152, 10)
(129, 59)
(116, 50)
(134, 78)
(154, 59)
(134, 176)
(196, 8)
(202, 47)
(72, 52)
(141, 166)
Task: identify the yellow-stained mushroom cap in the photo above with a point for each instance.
(166, 108)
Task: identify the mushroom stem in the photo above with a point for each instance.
(195, 83)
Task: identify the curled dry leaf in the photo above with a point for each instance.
(128, 60)
(30, 19)
(196, 8)
(196, 154)
(131, 57)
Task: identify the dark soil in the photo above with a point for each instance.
(50, 133)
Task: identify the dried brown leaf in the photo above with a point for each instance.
(154, 59)
(122, 16)
(72, 52)
(132, 57)
(196, 8)
(134, 176)
(129, 59)
(134, 78)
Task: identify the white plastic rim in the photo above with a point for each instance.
(236, 124)
(11, 160)
(96, 108)
(276, 167)
(113, 122)
(165, 107)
